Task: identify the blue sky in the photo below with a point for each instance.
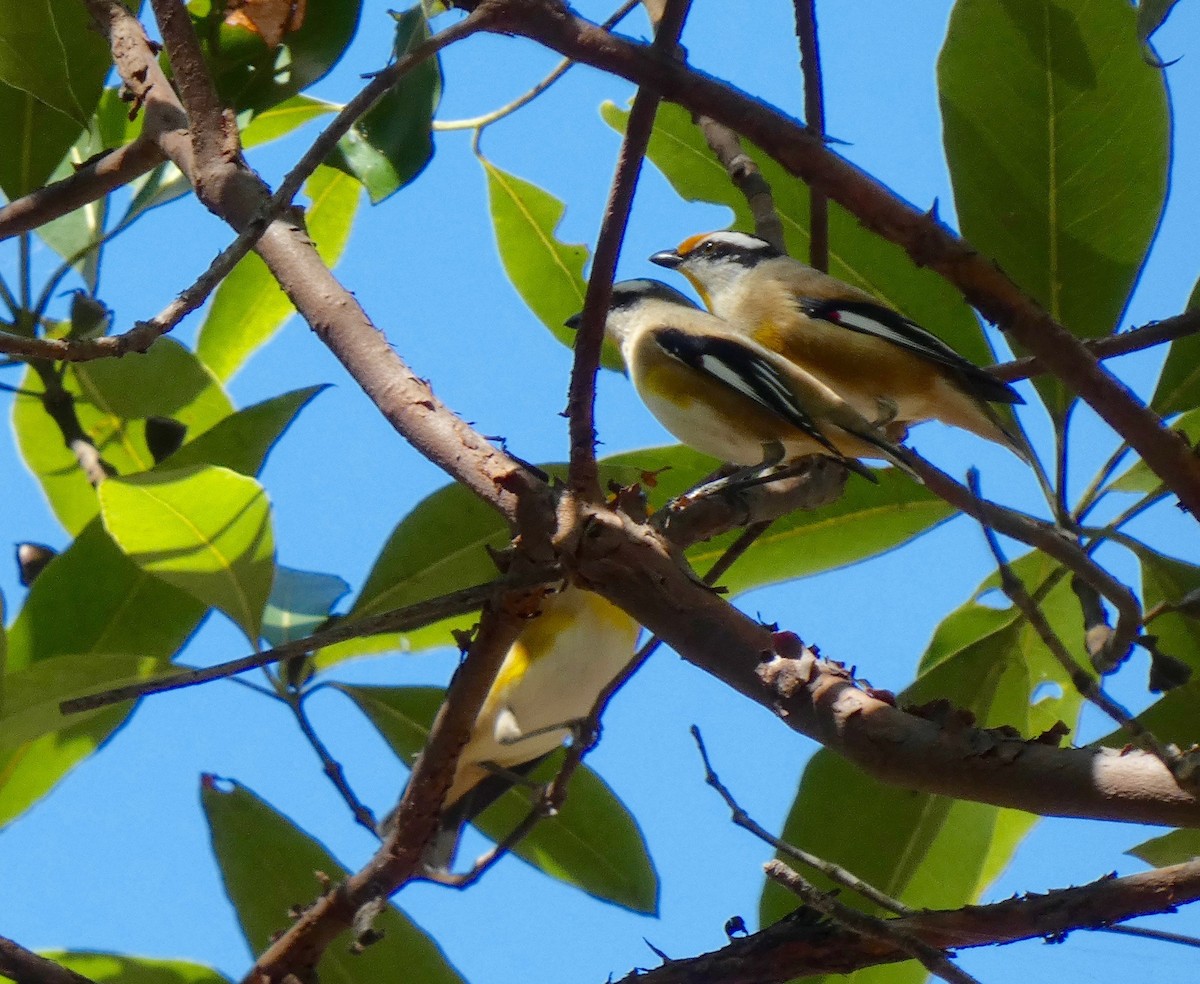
(117, 856)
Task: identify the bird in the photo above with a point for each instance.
(887, 367)
(551, 677)
(724, 394)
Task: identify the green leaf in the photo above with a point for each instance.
(1057, 133)
(866, 521)
(32, 695)
(393, 141)
(249, 837)
(1138, 477)
(1150, 16)
(113, 397)
(114, 968)
(108, 597)
(593, 843)
(37, 138)
(243, 440)
(250, 75)
(1165, 580)
(930, 851)
(1173, 848)
(50, 49)
(300, 601)
(856, 255)
(204, 529)
(546, 272)
(1179, 383)
(164, 184)
(250, 306)
(280, 120)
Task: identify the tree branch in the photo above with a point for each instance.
(582, 476)
(796, 946)
(94, 179)
(814, 116)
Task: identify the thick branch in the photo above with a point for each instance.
(928, 242)
(637, 570)
(798, 946)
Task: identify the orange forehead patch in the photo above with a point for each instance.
(692, 242)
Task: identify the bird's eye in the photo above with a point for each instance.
(709, 247)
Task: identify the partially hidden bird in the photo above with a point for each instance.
(573, 648)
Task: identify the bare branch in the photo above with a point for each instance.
(796, 947)
(330, 766)
(814, 116)
(582, 476)
(879, 930)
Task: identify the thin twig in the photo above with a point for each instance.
(398, 620)
(931, 958)
(561, 69)
(329, 765)
(1036, 533)
(814, 118)
(1111, 346)
(582, 474)
(834, 872)
(747, 177)
(1089, 689)
(1151, 934)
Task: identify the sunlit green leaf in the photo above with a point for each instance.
(115, 968)
(280, 120)
(108, 597)
(1179, 383)
(392, 142)
(113, 397)
(593, 843)
(37, 139)
(204, 529)
(1173, 848)
(243, 439)
(1058, 137)
(300, 601)
(250, 306)
(546, 272)
(1166, 580)
(32, 695)
(249, 837)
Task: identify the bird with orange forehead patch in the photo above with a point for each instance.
(888, 368)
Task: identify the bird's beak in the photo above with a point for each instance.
(667, 258)
(574, 321)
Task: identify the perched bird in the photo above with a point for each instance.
(548, 683)
(888, 368)
(726, 395)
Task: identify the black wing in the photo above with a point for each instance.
(883, 322)
(740, 368)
